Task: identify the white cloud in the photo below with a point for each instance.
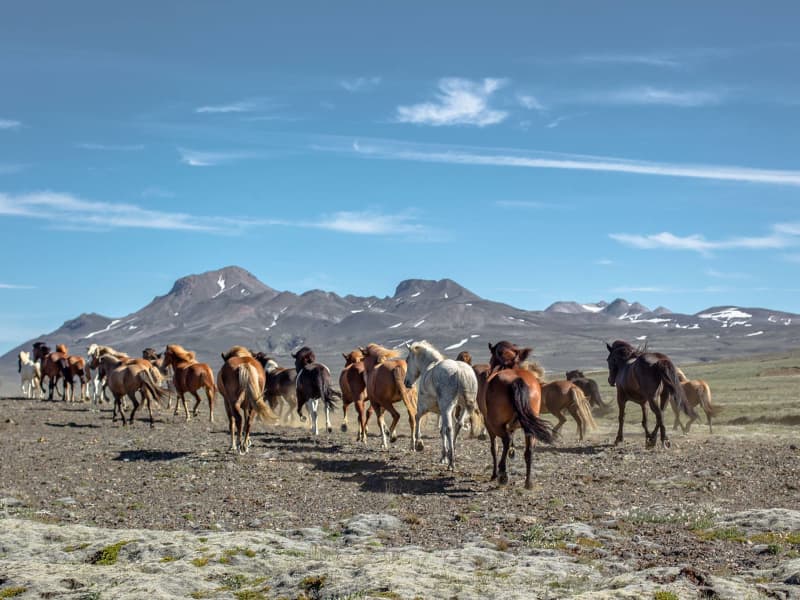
(458, 102)
(6, 169)
(14, 286)
(650, 60)
(233, 107)
(647, 95)
(157, 192)
(360, 84)
(530, 102)
(526, 204)
(197, 158)
(10, 124)
(698, 243)
(111, 147)
(604, 262)
(582, 162)
(370, 223)
(722, 275)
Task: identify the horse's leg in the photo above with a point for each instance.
(649, 441)
(248, 423)
(660, 428)
(328, 425)
(382, 426)
(211, 392)
(561, 420)
(232, 428)
(573, 410)
(135, 406)
(621, 407)
(493, 448)
(503, 475)
(448, 440)
(530, 441)
(196, 395)
(677, 423)
(395, 419)
(314, 405)
(345, 405)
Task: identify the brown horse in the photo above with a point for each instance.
(241, 382)
(642, 377)
(386, 373)
(54, 365)
(125, 378)
(510, 397)
(697, 392)
(281, 386)
(353, 383)
(590, 389)
(465, 356)
(560, 395)
(76, 367)
(157, 360)
(190, 376)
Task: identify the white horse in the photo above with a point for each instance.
(30, 375)
(444, 384)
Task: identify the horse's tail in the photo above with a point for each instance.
(329, 395)
(66, 373)
(681, 375)
(704, 393)
(248, 386)
(594, 393)
(531, 423)
(583, 407)
(669, 377)
(151, 385)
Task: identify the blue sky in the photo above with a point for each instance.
(532, 153)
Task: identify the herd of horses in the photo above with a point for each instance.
(492, 399)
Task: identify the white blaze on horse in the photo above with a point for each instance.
(444, 384)
(30, 374)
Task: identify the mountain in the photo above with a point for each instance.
(211, 311)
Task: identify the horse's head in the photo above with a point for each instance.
(618, 354)
(413, 369)
(575, 374)
(505, 355)
(304, 356)
(150, 354)
(40, 350)
(356, 356)
(464, 356)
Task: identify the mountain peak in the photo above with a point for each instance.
(442, 288)
(217, 281)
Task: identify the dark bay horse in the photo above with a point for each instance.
(510, 397)
(54, 365)
(281, 385)
(313, 384)
(643, 377)
(590, 389)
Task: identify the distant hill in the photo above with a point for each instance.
(211, 311)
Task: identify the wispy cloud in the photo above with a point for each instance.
(360, 84)
(66, 210)
(232, 107)
(198, 158)
(726, 275)
(10, 124)
(550, 160)
(530, 102)
(649, 96)
(111, 147)
(698, 243)
(527, 204)
(647, 59)
(605, 262)
(14, 286)
(458, 102)
(157, 192)
(6, 169)
(361, 223)
(558, 120)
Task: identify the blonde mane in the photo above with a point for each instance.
(381, 353)
(681, 377)
(184, 355)
(233, 351)
(535, 368)
(62, 348)
(98, 350)
(425, 347)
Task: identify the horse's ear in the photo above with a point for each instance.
(524, 353)
(222, 354)
(293, 355)
(609, 347)
(491, 348)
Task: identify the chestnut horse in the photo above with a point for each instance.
(386, 373)
(241, 382)
(190, 376)
(510, 397)
(125, 378)
(561, 395)
(54, 365)
(353, 383)
(313, 384)
(590, 389)
(642, 377)
(697, 392)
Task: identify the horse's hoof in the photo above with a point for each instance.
(667, 444)
(502, 479)
(344, 427)
(420, 446)
(617, 441)
(451, 467)
(303, 418)
(330, 429)
(511, 452)
(482, 436)
(528, 485)
(493, 477)
(393, 439)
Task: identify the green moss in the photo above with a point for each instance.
(108, 555)
(200, 561)
(249, 595)
(664, 595)
(168, 559)
(313, 583)
(12, 592)
(732, 534)
(75, 547)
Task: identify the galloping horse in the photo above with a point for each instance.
(353, 383)
(190, 376)
(241, 381)
(157, 360)
(560, 395)
(386, 373)
(510, 397)
(30, 373)
(280, 389)
(642, 377)
(697, 392)
(54, 365)
(313, 384)
(444, 384)
(125, 379)
(590, 389)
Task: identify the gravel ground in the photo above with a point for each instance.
(657, 508)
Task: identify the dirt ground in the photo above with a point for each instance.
(64, 464)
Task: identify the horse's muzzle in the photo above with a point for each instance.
(409, 386)
(611, 381)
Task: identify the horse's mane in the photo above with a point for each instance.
(681, 376)
(464, 356)
(103, 350)
(62, 348)
(625, 349)
(534, 367)
(233, 351)
(380, 352)
(575, 374)
(182, 354)
(506, 355)
(428, 348)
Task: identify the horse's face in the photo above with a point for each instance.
(356, 356)
(464, 356)
(412, 368)
(613, 366)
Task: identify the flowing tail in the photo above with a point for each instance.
(152, 386)
(329, 395)
(532, 424)
(704, 393)
(584, 409)
(249, 388)
(669, 377)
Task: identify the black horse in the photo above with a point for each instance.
(590, 388)
(313, 384)
(642, 377)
